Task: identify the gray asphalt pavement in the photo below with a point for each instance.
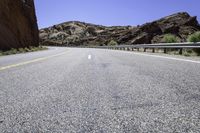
(94, 90)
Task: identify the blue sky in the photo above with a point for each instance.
(111, 12)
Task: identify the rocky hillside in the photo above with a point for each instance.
(78, 33)
(18, 25)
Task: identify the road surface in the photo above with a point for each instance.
(94, 90)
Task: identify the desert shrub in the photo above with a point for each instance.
(9, 52)
(186, 54)
(189, 51)
(91, 30)
(194, 37)
(197, 51)
(31, 48)
(22, 50)
(13, 51)
(112, 43)
(27, 49)
(169, 38)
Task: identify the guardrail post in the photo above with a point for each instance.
(166, 47)
(153, 50)
(181, 51)
(165, 50)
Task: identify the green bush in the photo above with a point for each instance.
(169, 38)
(194, 37)
(112, 43)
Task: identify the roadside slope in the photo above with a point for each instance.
(18, 24)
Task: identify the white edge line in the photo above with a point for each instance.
(170, 58)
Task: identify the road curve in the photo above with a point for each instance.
(94, 90)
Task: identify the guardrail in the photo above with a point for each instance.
(164, 46)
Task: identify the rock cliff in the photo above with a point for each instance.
(18, 24)
(76, 33)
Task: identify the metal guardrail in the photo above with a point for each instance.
(164, 46)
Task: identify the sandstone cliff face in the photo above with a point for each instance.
(78, 33)
(18, 25)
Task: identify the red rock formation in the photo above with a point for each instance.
(18, 24)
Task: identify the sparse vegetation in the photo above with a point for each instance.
(194, 37)
(197, 51)
(189, 52)
(112, 43)
(91, 30)
(22, 50)
(169, 38)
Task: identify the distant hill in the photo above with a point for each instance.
(77, 33)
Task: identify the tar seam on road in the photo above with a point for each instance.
(31, 61)
(169, 58)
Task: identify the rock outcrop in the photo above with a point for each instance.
(18, 24)
(78, 33)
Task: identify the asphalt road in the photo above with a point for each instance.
(64, 90)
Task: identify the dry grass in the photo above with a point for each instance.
(22, 50)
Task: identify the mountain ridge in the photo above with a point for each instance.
(76, 33)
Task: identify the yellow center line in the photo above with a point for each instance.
(31, 61)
